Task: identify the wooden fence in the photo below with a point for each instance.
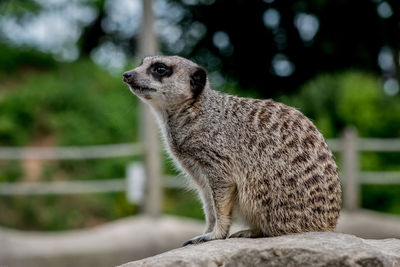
(135, 173)
(349, 146)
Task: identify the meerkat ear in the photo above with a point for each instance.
(198, 80)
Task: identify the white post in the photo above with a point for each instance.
(148, 45)
(136, 180)
(350, 165)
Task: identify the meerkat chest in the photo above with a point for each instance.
(177, 140)
(186, 157)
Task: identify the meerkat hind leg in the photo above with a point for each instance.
(223, 200)
(248, 233)
(206, 196)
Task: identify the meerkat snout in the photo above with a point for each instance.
(261, 158)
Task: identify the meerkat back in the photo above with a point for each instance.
(291, 172)
(263, 158)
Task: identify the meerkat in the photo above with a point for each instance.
(262, 158)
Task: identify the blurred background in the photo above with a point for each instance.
(70, 129)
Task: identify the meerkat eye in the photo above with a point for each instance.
(160, 70)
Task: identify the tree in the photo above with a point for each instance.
(272, 46)
(275, 46)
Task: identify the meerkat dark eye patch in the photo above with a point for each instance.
(159, 70)
(141, 62)
(197, 81)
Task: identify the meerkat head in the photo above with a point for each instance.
(166, 80)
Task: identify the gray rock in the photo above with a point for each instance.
(309, 249)
(107, 245)
(138, 237)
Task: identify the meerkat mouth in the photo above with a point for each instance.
(141, 89)
(137, 89)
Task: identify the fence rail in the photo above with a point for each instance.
(72, 152)
(386, 177)
(368, 144)
(63, 187)
(78, 187)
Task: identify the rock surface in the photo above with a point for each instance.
(309, 249)
(369, 224)
(138, 237)
(107, 245)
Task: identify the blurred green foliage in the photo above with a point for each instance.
(19, 7)
(11, 171)
(334, 101)
(182, 203)
(78, 103)
(55, 213)
(13, 59)
(385, 198)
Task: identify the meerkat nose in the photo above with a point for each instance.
(128, 76)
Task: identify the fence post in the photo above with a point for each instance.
(350, 165)
(135, 183)
(148, 45)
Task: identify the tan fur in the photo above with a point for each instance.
(264, 158)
